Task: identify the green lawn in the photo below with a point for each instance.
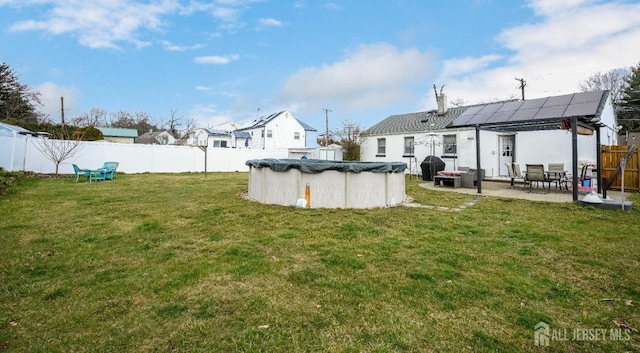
(183, 263)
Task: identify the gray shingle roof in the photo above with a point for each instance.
(415, 122)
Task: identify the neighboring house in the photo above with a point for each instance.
(15, 130)
(278, 130)
(240, 139)
(209, 137)
(156, 138)
(630, 138)
(412, 137)
(113, 134)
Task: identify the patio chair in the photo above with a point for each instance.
(109, 169)
(511, 173)
(518, 174)
(80, 172)
(557, 174)
(535, 173)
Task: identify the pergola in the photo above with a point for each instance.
(578, 112)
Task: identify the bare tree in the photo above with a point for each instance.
(57, 150)
(614, 81)
(350, 138)
(139, 120)
(94, 117)
(179, 126)
(458, 102)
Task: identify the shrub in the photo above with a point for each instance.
(7, 180)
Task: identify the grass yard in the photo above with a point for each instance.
(183, 263)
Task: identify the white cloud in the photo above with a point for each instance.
(174, 47)
(50, 95)
(209, 115)
(107, 24)
(571, 41)
(555, 7)
(100, 24)
(373, 75)
(215, 59)
(269, 22)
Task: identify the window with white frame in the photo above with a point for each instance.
(219, 143)
(408, 146)
(296, 135)
(449, 144)
(269, 133)
(382, 147)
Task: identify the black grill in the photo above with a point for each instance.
(431, 166)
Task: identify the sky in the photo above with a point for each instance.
(346, 61)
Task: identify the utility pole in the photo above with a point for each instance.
(326, 136)
(522, 84)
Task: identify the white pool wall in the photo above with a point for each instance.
(329, 189)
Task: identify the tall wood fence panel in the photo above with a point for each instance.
(611, 157)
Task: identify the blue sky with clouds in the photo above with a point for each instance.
(220, 61)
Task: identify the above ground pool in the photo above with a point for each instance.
(326, 184)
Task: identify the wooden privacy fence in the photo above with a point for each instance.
(611, 156)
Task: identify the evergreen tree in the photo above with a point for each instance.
(628, 111)
(17, 101)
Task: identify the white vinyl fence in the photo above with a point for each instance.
(19, 152)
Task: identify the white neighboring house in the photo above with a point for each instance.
(156, 138)
(209, 137)
(278, 130)
(414, 136)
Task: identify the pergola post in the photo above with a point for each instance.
(574, 155)
(478, 159)
(599, 159)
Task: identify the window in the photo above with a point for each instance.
(382, 147)
(219, 143)
(408, 147)
(269, 133)
(296, 135)
(450, 147)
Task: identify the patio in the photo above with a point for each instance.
(500, 187)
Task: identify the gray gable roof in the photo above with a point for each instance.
(306, 127)
(217, 132)
(415, 122)
(544, 110)
(241, 134)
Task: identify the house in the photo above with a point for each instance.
(15, 130)
(278, 130)
(156, 138)
(529, 131)
(113, 134)
(209, 137)
(629, 138)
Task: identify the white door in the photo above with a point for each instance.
(506, 153)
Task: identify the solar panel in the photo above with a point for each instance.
(524, 114)
(553, 111)
(541, 113)
(559, 100)
(582, 109)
